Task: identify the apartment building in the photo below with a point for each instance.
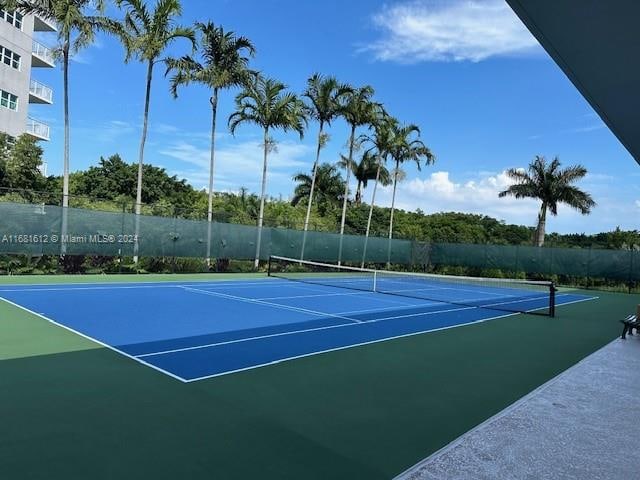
(20, 53)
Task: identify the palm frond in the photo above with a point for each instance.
(552, 185)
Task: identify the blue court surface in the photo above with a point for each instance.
(197, 330)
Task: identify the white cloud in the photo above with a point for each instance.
(588, 128)
(239, 164)
(478, 193)
(187, 135)
(106, 132)
(455, 30)
(440, 193)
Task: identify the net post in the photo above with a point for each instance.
(552, 300)
(269, 267)
(375, 281)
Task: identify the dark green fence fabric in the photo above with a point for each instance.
(37, 230)
(31, 229)
(623, 265)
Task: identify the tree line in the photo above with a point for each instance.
(111, 185)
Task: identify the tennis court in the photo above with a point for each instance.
(197, 330)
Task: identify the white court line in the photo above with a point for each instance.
(384, 298)
(293, 332)
(426, 303)
(106, 345)
(114, 286)
(319, 295)
(270, 304)
(275, 362)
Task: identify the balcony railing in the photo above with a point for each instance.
(38, 129)
(42, 56)
(40, 93)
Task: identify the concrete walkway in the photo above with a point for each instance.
(583, 424)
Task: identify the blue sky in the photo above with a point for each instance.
(485, 94)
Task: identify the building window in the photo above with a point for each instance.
(9, 58)
(14, 18)
(9, 100)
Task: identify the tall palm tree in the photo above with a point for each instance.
(146, 34)
(382, 140)
(76, 30)
(357, 109)
(368, 168)
(224, 65)
(266, 103)
(405, 147)
(324, 95)
(327, 181)
(551, 185)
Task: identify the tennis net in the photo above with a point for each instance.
(510, 295)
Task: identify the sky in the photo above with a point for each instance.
(485, 95)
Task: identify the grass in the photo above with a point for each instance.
(74, 410)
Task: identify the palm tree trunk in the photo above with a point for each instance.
(313, 186)
(346, 192)
(262, 197)
(359, 193)
(65, 177)
(373, 201)
(393, 205)
(542, 221)
(214, 112)
(141, 160)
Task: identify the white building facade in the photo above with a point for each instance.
(20, 53)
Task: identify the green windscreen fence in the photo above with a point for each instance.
(35, 230)
(622, 265)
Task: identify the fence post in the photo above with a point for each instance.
(486, 259)
(120, 256)
(588, 267)
(630, 270)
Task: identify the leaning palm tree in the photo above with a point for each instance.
(146, 34)
(368, 168)
(266, 103)
(551, 185)
(328, 183)
(358, 109)
(76, 30)
(382, 139)
(224, 65)
(404, 147)
(324, 95)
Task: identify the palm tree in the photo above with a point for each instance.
(368, 168)
(551, 185)
(325, 95)
(327, 181)
(404, 147)
(146, 35)
(357, 109)
(384, 128)
(76, 30)
(223, 66)
(266, 103)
